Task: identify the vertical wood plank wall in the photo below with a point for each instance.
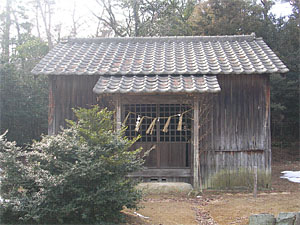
(239, 136)
(65, 93)
(239, 129)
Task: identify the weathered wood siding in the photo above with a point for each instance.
(239, 133)
(166, 154)
(65, 93)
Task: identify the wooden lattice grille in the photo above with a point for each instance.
(162, 112)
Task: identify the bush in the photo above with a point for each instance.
(77, 176)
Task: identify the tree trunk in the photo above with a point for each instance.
(136, 18)
(47, 24)
(6, 33)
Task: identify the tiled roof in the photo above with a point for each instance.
(156, 83)
(241, 54)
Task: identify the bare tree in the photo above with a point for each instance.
(108, 16)
(57, 29)
(37, 20)
(77, 22)
(17, 26)
(6, 32)
(45, 8)
(74, 21)
(146, 17)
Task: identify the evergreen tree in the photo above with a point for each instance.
(23, 97)
(77, 176)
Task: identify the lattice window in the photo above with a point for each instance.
(173, 135)
(161, 111)
(149, 110)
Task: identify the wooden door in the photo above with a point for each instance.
(169, 149)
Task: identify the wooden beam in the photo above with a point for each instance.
(118, 112)
(196, 162)
(156, 98)
(161, 173)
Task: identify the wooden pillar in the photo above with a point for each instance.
(118, 111)
(196, 163)
(268, 124)
(51, 106)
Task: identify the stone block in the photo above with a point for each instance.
(297, 221)
(165, 187)
(286, 218)
(262, 219)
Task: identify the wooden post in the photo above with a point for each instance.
(255, 182)
(118, 112)
(196, 162)
(51, 107)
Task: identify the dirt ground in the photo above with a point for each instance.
(223, 207)
(171, 210)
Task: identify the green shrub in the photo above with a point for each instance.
(77, 176)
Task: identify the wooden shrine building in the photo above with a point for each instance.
(201, 104)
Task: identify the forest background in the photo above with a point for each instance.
(30, 28)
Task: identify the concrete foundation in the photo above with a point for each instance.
(165, 188)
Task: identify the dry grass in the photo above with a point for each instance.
(168, 212)
(229, 208)
(236, 208)
(171, 210)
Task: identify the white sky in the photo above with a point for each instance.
(86, 21)
(282, 9)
